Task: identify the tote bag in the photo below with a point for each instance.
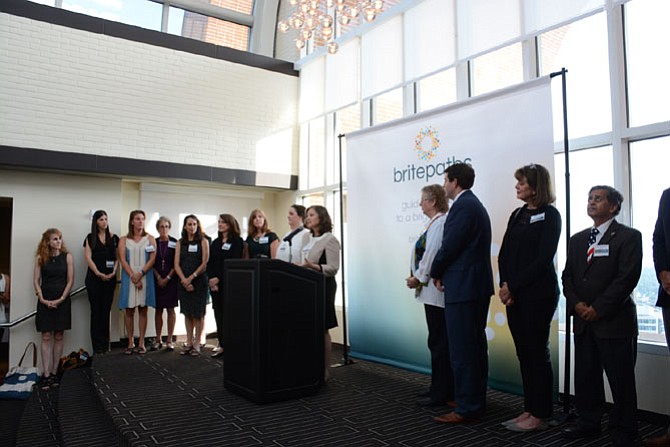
(19, 381)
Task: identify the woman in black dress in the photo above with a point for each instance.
(229, 245)
(529, 289)
(52, 278)
(100, 251)
(190, 264)
(261, 241)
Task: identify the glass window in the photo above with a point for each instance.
(497, 69)
(437, 90)
(243, 6)
(208, 29)
(314, 199)
(580, 47)
(144, 14)
(387, 106)
(647, 69)
(317, 152)
(648, 165)
(588, 167)
(346, 120)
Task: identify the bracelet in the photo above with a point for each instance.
(169, 277)
(143, 272)
(194, 275)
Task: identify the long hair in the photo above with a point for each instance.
(130, 222)
(42, 251)
(539, 179)
(93, 237)
(325, 223)
(199, 234)
(233, 226)
(253, 231)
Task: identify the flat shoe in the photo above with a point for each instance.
(141, 350)
(169, 347)
(453, 418)
(194, 353)
(217, 354)
(129, 351)
(186, 351)
(516, 428)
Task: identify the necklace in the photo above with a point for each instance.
(163, 250)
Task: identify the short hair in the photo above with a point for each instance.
(462, 172)
(299, 210)
(439, 195)
(539, 179)
(325, 222)
(161, 220)
(614, 197)
(233, 226)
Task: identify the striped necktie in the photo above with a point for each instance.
(592, 244)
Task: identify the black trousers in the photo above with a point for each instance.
(217, 305)
(442, 377)
(530, 322)
(616, 356)
(100, 297)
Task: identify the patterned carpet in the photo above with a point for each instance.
(163, 399)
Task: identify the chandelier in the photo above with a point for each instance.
(315, 19)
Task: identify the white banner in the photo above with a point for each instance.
(387, 167)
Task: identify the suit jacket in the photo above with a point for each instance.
(662, 245)
(463, 262)
(607, 282)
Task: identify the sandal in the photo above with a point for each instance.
(187, 350)
(194, 353)
(141, 350)
(169, 347)
(45, 383)
(157, 346)
(129, 351)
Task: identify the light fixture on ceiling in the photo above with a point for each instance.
(315, 19)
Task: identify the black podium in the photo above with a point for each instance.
(273, 330)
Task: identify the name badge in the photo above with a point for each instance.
(226, 246)
(537, 218)
(172, 244)
(149, 248)
(109, 264)
(193, 248)
(283, 247)
(601, 251)
(263, 240)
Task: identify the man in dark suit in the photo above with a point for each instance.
(462, 267)
(603, 267)
(662, 266)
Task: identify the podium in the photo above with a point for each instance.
(273, 329)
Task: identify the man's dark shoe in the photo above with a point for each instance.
(577, 431)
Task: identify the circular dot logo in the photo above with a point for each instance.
(426, 143)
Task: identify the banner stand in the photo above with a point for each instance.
(566, 415)
(345, 344)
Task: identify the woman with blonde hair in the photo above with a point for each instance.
(137, 253)
(53, 277)
(261, 241)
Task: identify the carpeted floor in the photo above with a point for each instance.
(163, 399)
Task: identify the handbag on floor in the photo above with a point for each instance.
(19, 381)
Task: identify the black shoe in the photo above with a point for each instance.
(577, 431)
(430, 402)
(424, 393)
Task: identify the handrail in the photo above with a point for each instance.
(34, 312)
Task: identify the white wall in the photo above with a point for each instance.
(69, 90)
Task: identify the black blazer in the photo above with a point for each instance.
(526, 258)
(217, 255)
(662, 245)
(607, 282)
